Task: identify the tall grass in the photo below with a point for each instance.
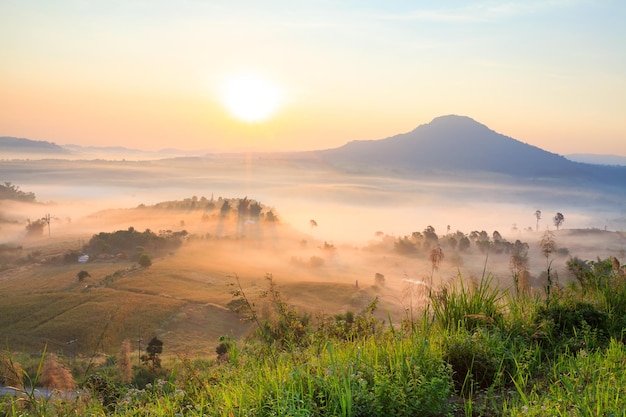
(479, 351)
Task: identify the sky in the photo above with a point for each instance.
(151, 74)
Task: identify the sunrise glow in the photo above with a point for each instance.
(250, 98)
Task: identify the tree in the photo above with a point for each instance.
(548, 247)
(518, 265)
(46, 220)
(82, 275)
(153, 350)
(145, 260)
(538, 216)
(9, 191)
(464, 244)
(35, 228)
(558, 220)
(435, 256)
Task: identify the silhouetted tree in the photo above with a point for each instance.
(46, 219)
(225, 209)
(558, 220)
(436, 257)
(538, 216)
(464, 244)
(255, 211)
(9, 191)
(35, 228)
(430, 237)
(82, 275)
(518, 265)
(153, 350)
(548, 247)
(271, 217)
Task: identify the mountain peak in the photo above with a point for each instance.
(453, 143)
(454, 124)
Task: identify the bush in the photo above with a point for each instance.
(571, 325)
(145, 260)
(478, 359)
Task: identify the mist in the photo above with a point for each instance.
(334, 247)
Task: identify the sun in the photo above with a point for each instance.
(250, 98)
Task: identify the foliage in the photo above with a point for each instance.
(153, 350)
(467, 305)
(145, 260)
(9, 191)
(558, 220)
(81, 275)
(35, 228)
(127, 241)
(104, 389)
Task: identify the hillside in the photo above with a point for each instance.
(459, 144)
(11, 145)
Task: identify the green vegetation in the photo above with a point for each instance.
(133, 244)
(475, 350)
(9, 191)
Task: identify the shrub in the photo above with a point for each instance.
(82, 275)
(571, 325)
(145, 260)
(478, 359)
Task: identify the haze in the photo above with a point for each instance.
(149, 73)
(324, 268)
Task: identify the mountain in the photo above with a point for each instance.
(11, 145)
(459, 144)
(588, 158)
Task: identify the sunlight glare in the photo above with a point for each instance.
(250, 98)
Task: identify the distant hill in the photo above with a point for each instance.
(459, 144)
(11, 145)
(597, 159)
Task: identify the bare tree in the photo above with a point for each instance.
(46, 219)
(548, 247)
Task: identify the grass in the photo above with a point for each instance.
(477, 349)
